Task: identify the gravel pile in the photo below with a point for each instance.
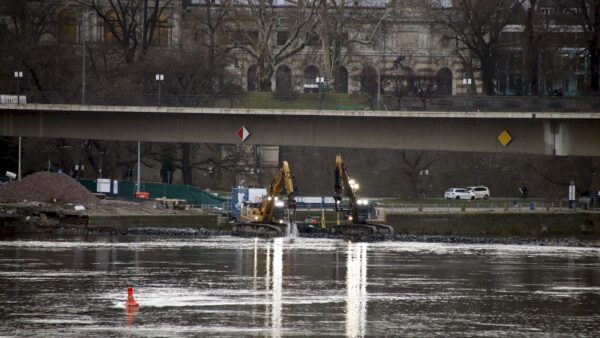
(47, 187)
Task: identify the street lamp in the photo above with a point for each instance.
(159, 79)
(18, 76)
(321, 82)
(101, 158)
(467, 82)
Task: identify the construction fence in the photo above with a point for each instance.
(194, 196)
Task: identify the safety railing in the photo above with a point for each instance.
(489, 206)
(332, 101)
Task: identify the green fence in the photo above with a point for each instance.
(193, 195)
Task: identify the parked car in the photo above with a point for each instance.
(459, 194)
(480, 192)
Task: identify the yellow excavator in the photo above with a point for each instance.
(355, 225)
(268, 218)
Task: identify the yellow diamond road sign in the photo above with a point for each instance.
(504, 138)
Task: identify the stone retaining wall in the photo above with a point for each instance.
(122, 223)
(578, 224)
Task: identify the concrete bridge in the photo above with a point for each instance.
(549, 133)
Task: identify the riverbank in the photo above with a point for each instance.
(106, 216)
(149, 218)
(541, 224)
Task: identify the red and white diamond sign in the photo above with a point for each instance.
(243, 133)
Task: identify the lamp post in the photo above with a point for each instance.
(18, 76)
(424, 173)
(19, 164)
(101, 158)
(467, 82)
(159, 79)
(81, 35)
(138, 187)
(320, 82)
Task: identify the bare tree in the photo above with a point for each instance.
(476, 26)
(344, 24)
(256, 25)
(212, 159)
(29, 45)
(412, 168)
(208, 30)
(539, 40)
(587, 16)
(132, 23)
(556, 170)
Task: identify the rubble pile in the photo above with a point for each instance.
(47, 187)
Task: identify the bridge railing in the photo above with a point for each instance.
(488, 206)
(332, 101)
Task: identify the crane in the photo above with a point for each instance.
(267, 219)
(357, 214)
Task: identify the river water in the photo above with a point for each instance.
(227, 286)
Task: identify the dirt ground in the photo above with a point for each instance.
(119, 207)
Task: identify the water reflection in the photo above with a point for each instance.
(356, 286)
(234, 287)
(277, 284)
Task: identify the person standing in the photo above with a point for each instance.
(525, 192)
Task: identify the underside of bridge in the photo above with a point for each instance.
(525, 133)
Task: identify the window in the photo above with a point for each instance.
(112, 27)
(66, 31)
(314, 40)
(282, 37)
(3, 32)
(510, 37)
(344, 38)
(162, 32)
(243, 37)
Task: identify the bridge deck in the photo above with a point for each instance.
(550, 133)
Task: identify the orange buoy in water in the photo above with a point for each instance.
(130, 301)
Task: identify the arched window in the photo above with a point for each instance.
(341, 83)
(66, 31)
(283, 80)
(251, 79)
(112, 28)
(162, 32)
(444, 80)
(310, 79)
(368, 81)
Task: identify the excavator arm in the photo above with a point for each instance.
(343, 187)
(283, 178)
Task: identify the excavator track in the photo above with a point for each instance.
(364, 231)
(248, 229)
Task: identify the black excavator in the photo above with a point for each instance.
(269, 218)
(355, 225)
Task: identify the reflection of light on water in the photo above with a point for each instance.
(267, 279)
(291, 230)
(255, 262)
(277, 283)
(268, 267)
(356, 284)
